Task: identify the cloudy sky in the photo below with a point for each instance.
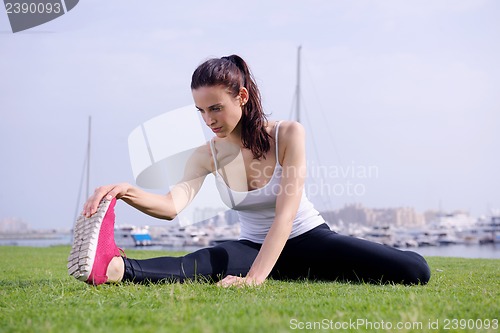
(404, 93)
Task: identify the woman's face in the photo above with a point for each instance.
(220, 111)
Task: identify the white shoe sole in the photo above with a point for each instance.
(85, 238)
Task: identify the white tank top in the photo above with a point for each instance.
(257, 208)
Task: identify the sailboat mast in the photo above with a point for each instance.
(88, 156)
(297, 90)
(86, 165)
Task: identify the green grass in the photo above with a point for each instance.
(37, 295)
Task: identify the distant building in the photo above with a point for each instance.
(431, 215)
(215, 216)
(13, 225)
(407, 216)
(207, 214)
(357, 214)
(353, 213)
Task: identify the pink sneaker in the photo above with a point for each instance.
(94, 245)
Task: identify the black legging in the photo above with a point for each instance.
(317, 254)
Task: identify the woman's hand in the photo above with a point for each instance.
(108, 191)
(238, 281)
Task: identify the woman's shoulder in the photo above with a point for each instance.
(290, 128)
(291, 138)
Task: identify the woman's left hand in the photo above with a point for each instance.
(238, 281)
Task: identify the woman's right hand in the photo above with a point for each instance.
(108, 191)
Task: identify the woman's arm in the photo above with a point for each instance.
(157, 205)
(292, 139)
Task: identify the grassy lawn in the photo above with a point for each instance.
(37, 295)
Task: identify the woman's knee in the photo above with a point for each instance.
(418, 269)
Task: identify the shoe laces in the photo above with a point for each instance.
(122, 251)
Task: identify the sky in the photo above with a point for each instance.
(399, 99)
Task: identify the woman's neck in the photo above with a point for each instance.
(235, 136)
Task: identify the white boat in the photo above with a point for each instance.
(490, 228)
(130, 236)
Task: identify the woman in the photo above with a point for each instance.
(259, 166)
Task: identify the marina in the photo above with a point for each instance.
(455, 234)
(474, 240)
(487, 251)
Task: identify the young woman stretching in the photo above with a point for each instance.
(259, 167)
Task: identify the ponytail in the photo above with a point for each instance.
(233, 73)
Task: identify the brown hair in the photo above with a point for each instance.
(233, 73)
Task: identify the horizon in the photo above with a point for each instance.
(422, 213)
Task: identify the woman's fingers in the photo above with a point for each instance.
(236, 281)
(228, 281)
(90, 207)
(108, 191)
(115, 192)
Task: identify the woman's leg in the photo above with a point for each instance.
(233, 257)
(326, 255)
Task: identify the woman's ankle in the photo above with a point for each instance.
(116, 269)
